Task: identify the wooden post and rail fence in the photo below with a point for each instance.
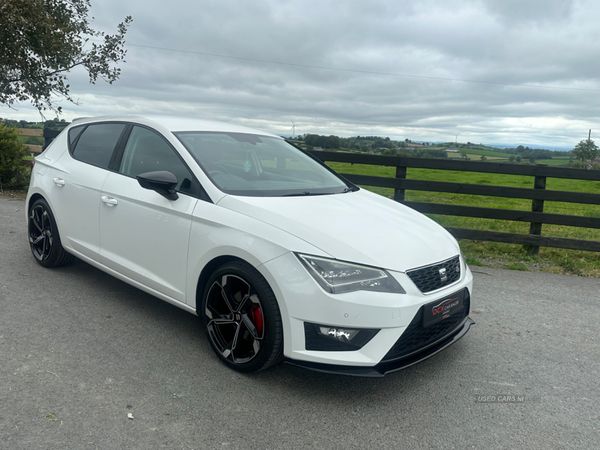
(46, 133)
(538, 194)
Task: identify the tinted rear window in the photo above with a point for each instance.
(97, 142)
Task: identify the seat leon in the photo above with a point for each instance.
(280, 257)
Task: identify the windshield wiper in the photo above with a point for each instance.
(305, 193)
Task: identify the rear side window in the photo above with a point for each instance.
(96, 143)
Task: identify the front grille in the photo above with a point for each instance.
(416, 337)
(432, 277)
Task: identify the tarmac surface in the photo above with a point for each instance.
(80, 351)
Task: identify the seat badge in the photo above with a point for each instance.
(443, 276)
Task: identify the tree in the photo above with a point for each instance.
(586, 150)
(332, 142)
(518, 158)
(512, 158)
(42, 40)
(381, 143)
(12, 172)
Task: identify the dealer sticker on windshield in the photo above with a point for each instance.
(442, 309)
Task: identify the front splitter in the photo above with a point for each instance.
(381, 369)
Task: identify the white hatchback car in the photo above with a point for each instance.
(281, 257)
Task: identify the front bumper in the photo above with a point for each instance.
(402, 339)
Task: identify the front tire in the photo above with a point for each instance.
(44, 239)
(242, 318)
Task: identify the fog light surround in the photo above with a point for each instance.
(336, 339)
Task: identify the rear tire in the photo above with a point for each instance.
(242, 318)
(44, 239)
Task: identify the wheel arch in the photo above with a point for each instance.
(57, 254)
(34, 197)
(208, 270)
(217, 262)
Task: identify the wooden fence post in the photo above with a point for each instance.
(399, 193)
(49, 136)
(536, 206)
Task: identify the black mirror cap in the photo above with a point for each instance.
(162, 181)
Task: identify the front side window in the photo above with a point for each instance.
(147, 151)
(247, 164)
(96, 143)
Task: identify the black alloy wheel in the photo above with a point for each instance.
(44, 239)
(242, 318)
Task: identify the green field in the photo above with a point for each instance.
(490, 153)
(499, 254)
(556, 161)
(33, 140)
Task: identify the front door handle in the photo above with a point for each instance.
(59, 182)
(109, 200)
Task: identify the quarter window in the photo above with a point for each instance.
(74, 133)
(96, 143)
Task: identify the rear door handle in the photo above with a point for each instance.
(109, 200)
(59, 182)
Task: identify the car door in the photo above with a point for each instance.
(143, 235)
(78, 177)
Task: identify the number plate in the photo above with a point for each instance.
(442, 309)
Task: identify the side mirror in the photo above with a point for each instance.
(162, 182)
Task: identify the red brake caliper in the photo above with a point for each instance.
(257, 318)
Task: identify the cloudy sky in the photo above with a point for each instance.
(491, 71)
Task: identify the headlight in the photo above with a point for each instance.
(337, 276)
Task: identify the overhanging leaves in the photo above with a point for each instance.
(42, 40)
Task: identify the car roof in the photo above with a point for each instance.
(177, 124)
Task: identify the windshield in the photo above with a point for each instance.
(247, 164)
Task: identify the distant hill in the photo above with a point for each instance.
(557, 148)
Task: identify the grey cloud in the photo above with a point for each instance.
(523, 12)
(550, 43)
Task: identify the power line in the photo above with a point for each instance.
(368, 72)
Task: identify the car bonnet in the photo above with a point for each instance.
(359, 227)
